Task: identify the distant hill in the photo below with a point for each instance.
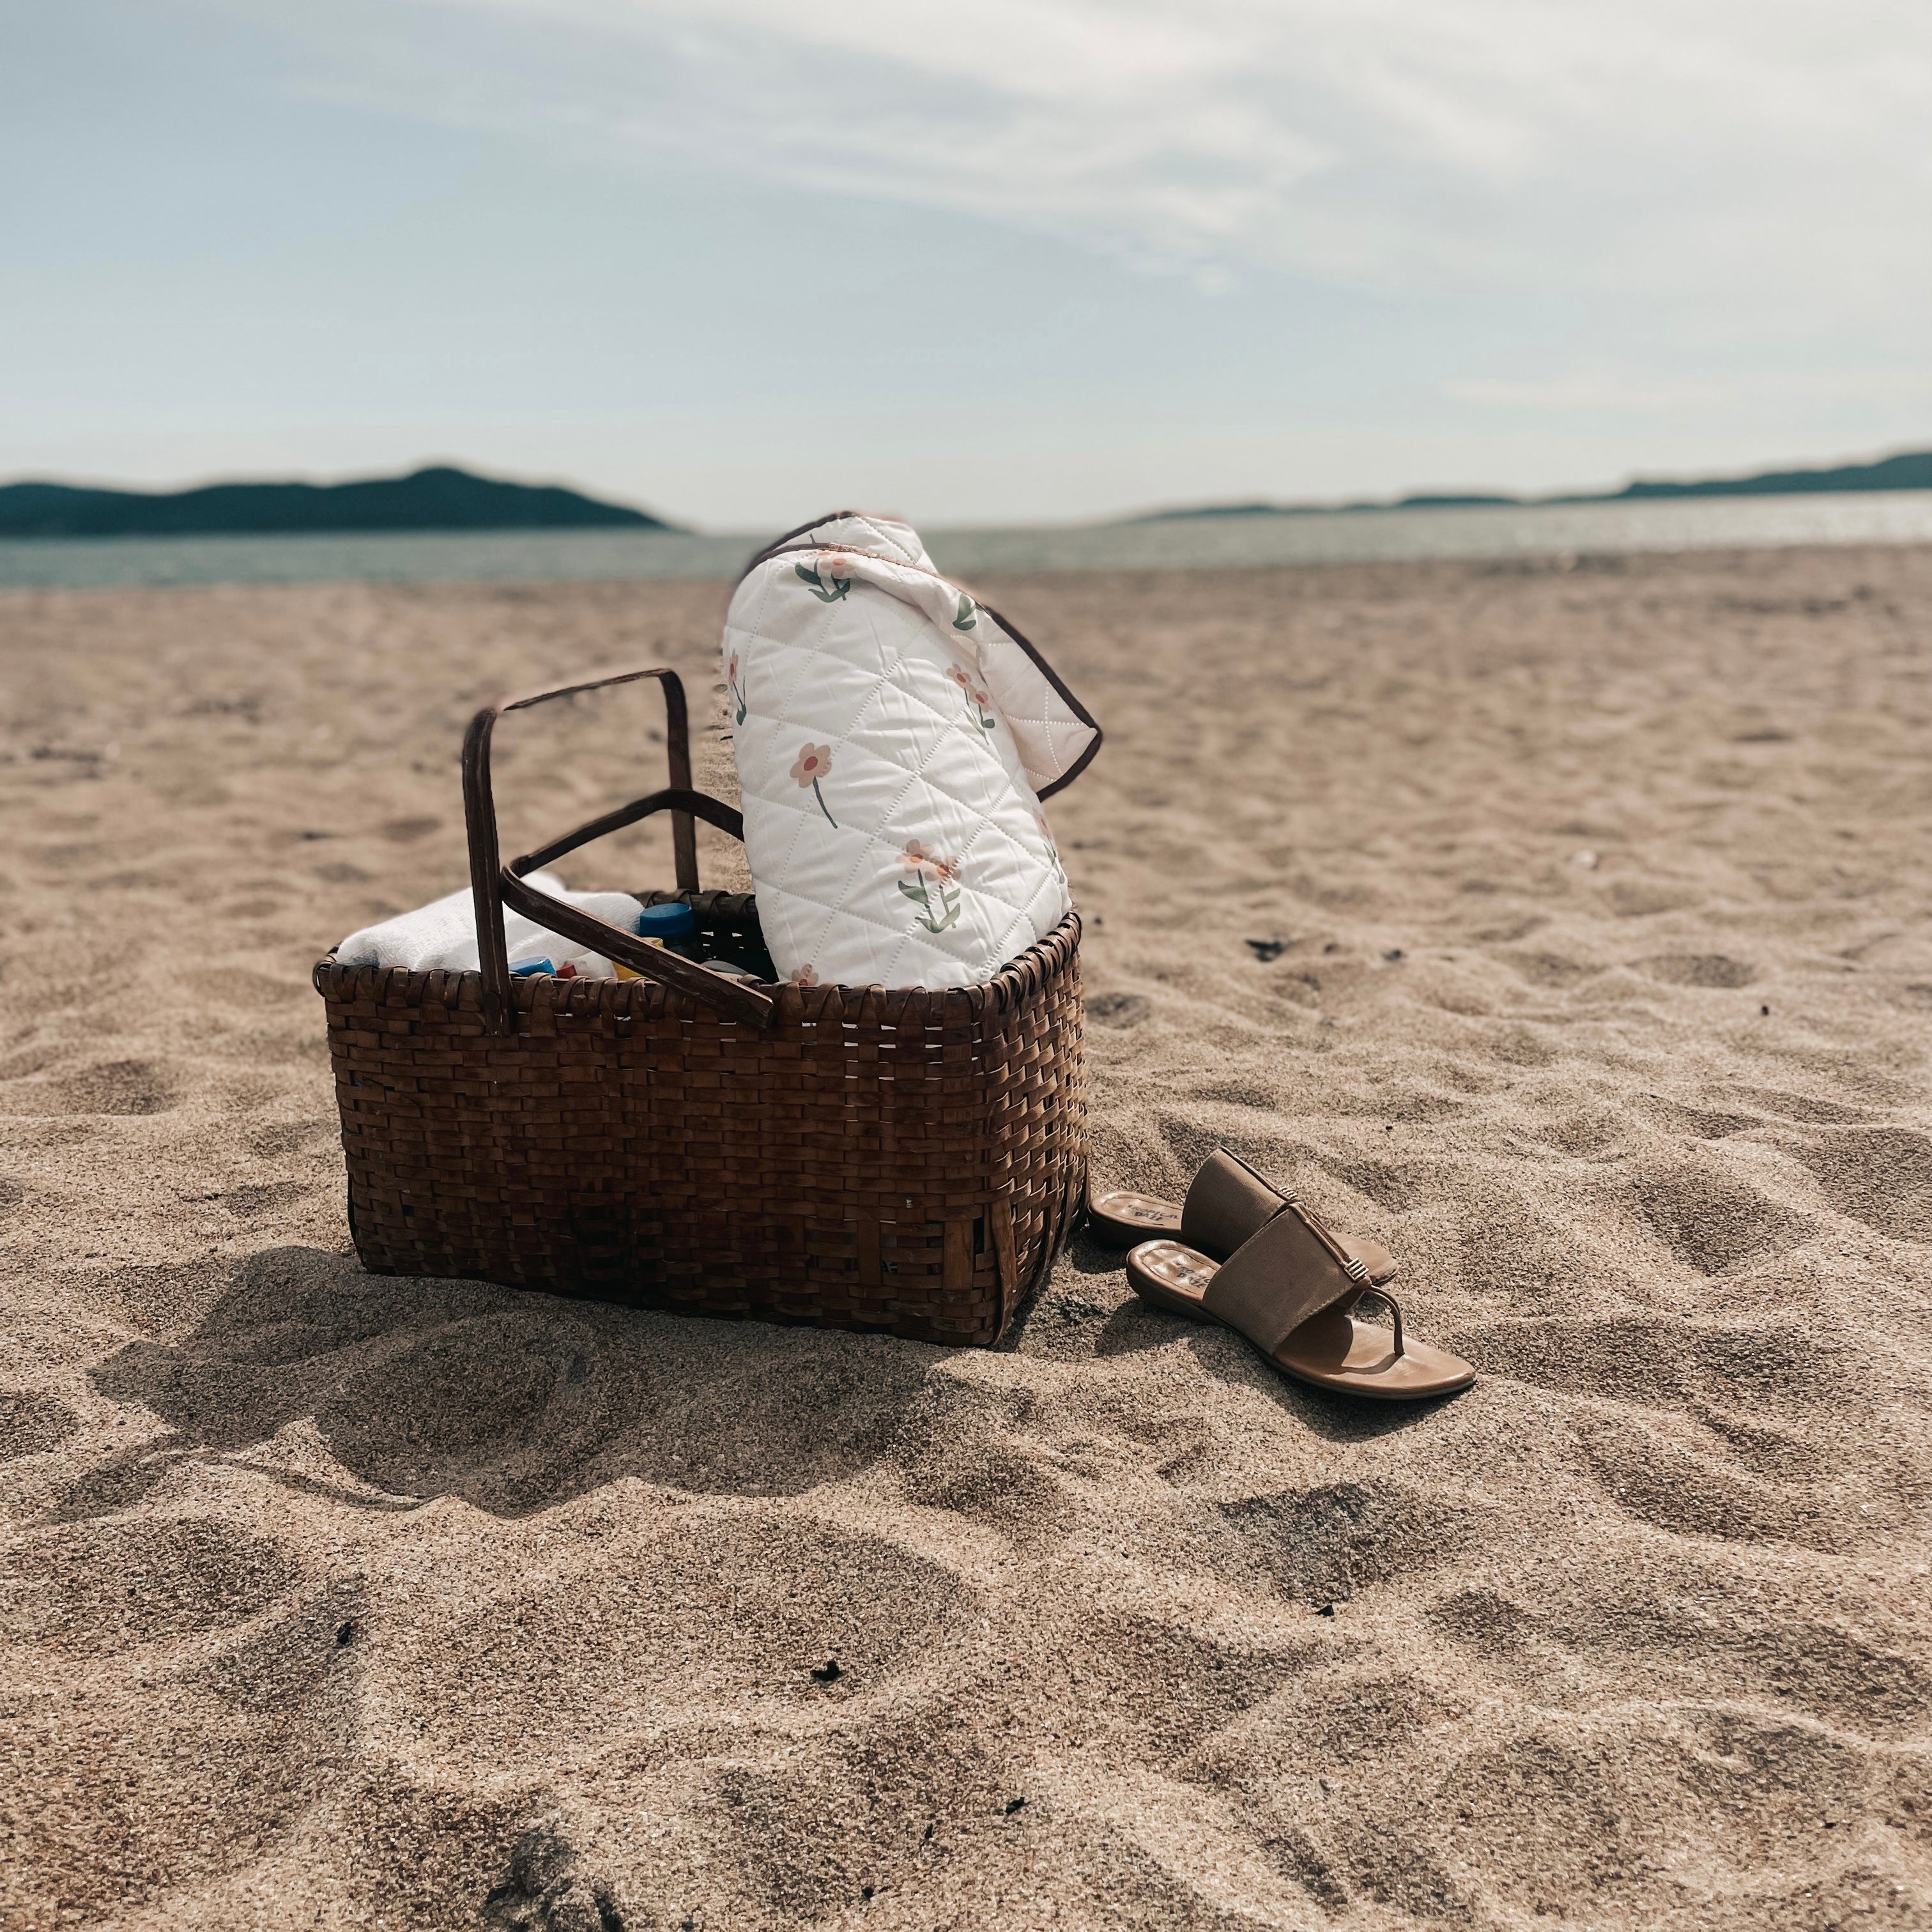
(1912, 472)
(1895, 473)
(438, 499)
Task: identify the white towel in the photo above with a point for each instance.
(443, 934)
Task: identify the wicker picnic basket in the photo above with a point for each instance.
(908, 1161)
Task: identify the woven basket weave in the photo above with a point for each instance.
(906, 1160)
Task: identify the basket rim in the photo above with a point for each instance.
(1024, 974)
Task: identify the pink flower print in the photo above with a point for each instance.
(804, 977)
(930, 869)
(982, 705)
(814, 762)
(825, 569)
(920, 860)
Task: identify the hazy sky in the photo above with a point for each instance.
(995, 261)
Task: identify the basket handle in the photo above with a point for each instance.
(494, 885)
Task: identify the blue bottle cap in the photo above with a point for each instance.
(530, 968)
(670, 920)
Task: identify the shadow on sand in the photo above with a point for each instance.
(515, 1401)
(512, 1401)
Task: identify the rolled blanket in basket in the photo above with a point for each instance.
(443, 934)
(894, 738)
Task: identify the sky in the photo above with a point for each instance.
(738, 261)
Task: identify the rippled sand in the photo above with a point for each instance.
(1598, 984)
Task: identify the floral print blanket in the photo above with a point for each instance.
(894, 738)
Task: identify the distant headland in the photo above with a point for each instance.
(1912, 472)
(437, 498)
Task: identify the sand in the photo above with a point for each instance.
(1598, 985)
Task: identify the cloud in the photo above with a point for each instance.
(1764, 157)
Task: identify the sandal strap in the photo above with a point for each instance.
(1288, 1270)
(1226, 1203)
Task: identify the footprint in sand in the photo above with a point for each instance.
(1319, 1545)
(31, 1424)
(1395, 1185)
(96, 1588)
(1548, 969)
(260, 992)
(119, 1087)
(1160, 1693)
(1713, 970)
(1301, 1769)
(290, 1137)
(716, 1614)
(1778, 1455)
(1117, 1010)
(953, 1451)
(1703, 1124)
(1806, 1107)
(261, 1197)
(1510, 1642)
(130, 1087)
(1691, 1489)
(1713, 1221)
(1630, 898)
(1684, 1625)
(1882, 1176)
(549, 1889)
(1604, 1817)
(1663, 1362)
(1517, 1251)
(501, 1409)
(269, 1703)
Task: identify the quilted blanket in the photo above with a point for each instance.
(894, 738)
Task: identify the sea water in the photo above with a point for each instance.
(1220, 542)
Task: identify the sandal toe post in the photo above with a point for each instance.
(1332, 1350)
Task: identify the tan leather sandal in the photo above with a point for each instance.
(1227, 1201)
(1290, 1290)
